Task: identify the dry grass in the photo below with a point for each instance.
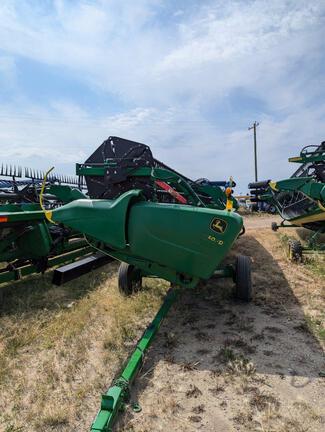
(314, 262)
(313, 300)
(299, 418)
(60, 347)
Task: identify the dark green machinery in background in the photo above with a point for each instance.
(29, 243)
(300, 199)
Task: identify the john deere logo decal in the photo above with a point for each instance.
(218, 225)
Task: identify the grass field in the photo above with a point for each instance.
(60, 347)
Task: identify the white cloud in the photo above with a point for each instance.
(169, 74)
(116, 46)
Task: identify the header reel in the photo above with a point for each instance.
(25, 185)
(28, 243)
(119, 165)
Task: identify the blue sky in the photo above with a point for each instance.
(186, 77)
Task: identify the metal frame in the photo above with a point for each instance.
(20, 271)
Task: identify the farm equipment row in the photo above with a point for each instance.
(137, 210)
(126, 205)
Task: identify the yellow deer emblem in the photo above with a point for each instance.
(218, 225)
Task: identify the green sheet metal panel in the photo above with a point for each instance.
(191, 240)
(187, 239)
(36, 241)
(104, 220)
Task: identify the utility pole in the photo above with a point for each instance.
(255, 124)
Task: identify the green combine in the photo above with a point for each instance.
(300, 199)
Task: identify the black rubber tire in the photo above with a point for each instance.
(274, 226)
(295, 250)
(243, 278)
(129, 279)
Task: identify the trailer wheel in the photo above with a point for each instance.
(295, 250)
(129, 279)
(274, 226)
(243, 278)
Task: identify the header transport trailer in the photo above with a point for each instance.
(156, 221)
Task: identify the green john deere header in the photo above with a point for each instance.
(152, 218)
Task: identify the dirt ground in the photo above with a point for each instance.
(257, 221)
(216, 364)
